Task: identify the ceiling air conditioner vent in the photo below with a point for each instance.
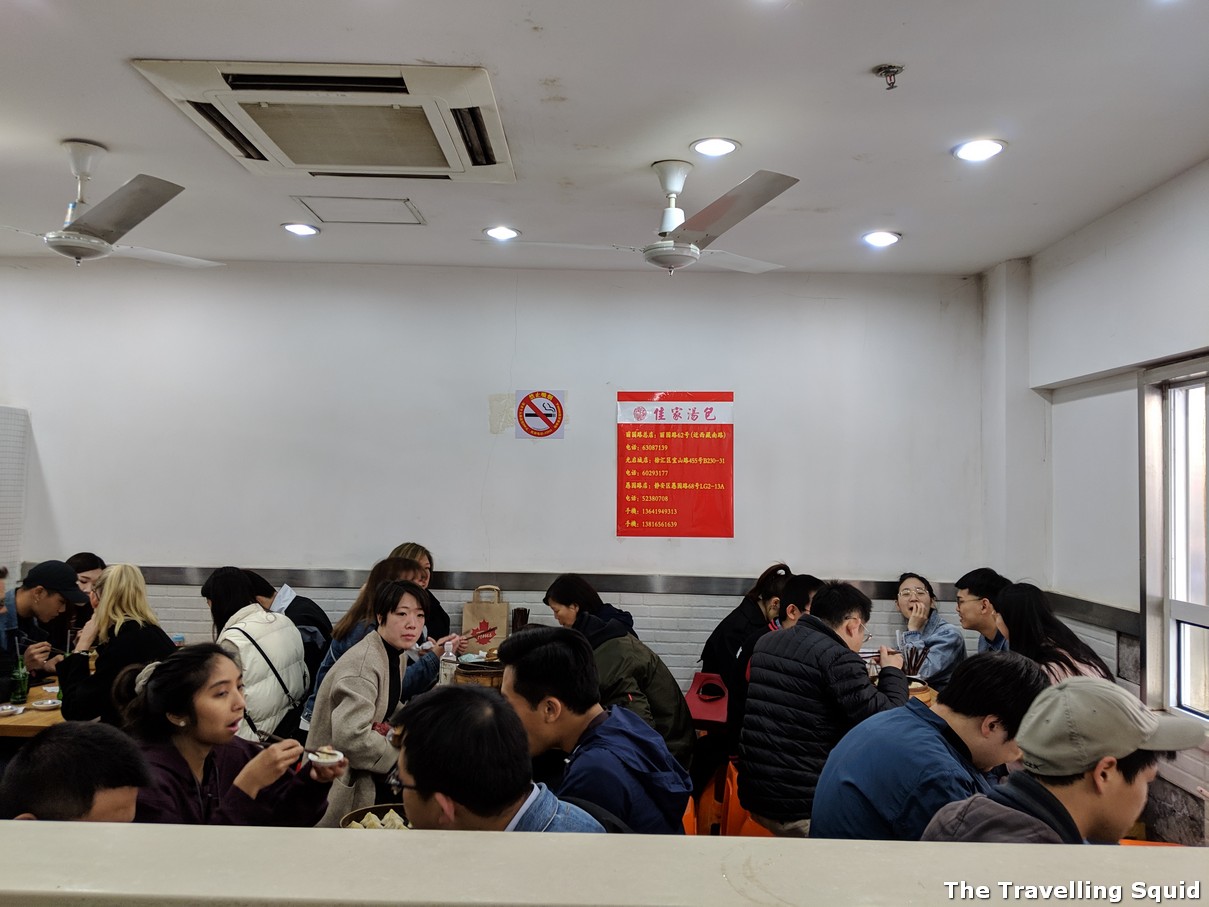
(244, 81)
(364, 120)
(229, 132)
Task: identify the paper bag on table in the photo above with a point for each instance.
(485, 619)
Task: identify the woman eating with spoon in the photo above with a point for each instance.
(185, 711)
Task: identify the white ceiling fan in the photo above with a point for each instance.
(683, 242)
(93, 233)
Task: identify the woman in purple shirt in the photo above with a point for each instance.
(184, 711)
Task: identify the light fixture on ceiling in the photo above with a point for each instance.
(714, 147)
(502, 233)
(979, 150)
(879, 239)
(300, 229)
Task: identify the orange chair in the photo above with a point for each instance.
(1130, 842)
(736, 821)
(709, 804)
(690, 818)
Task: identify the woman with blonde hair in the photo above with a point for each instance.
(125, 631)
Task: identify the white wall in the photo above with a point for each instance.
(14, 454)
(1015, 433)
(1097, 553)
(317, 415)
(1129, 288)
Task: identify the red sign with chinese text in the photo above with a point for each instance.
(675, 464)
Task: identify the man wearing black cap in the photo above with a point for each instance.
(1091, 750)
(42, 596)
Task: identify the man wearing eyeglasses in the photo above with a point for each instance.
(809, 686)
(464, 766)
(976, 594)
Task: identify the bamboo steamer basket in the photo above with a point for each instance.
(921, 691)
(380, 810)
(483, 674)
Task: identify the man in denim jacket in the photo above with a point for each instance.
(464, 765)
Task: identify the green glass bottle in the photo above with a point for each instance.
(20, 683)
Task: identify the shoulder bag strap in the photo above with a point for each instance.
(294, 703)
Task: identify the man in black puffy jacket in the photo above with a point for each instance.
(808, 688)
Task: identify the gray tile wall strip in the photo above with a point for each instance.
(1089, 612)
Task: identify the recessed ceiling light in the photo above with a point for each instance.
(881, 238)
(502, 233)
(300, 229)
(714, 147)
(979, 149)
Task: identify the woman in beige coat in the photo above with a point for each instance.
(362, 691)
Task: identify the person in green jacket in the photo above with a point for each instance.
(631, 675)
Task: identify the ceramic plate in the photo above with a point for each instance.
(45, 705)
(6, 710)
(51, 689)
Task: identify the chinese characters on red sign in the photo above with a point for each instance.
(675, 464)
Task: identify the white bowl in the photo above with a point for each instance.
(6, 710)
(45, 705)
(326, 758)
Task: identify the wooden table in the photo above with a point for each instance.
(32, 721)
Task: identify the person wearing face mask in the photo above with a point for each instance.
(946, 646)
(362, 691)
(42, 596)
(892, 772)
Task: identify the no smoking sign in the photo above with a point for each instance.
(539, 414)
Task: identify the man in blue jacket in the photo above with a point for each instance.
(464, 766)
(892, 772)
(616, 762)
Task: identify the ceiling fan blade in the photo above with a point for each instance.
(119, 213)
(723, 213)
(597, 247)
(165, 258)
(733, 262)
(19, 230)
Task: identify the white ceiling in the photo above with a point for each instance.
(1100, 100)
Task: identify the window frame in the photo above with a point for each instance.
(1162, 615)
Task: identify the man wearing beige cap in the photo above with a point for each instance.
(1091, 750)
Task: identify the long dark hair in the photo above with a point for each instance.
(1034, 631)
(573, 589)
(771, 583)
(228, 590)
(169, 690)
(362, 608)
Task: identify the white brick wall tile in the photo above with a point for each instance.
(674, 626)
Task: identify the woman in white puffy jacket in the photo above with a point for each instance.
(268, 648)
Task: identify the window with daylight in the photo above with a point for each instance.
(1177, 594)
(1188, 518)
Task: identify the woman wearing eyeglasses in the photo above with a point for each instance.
(925, 627)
